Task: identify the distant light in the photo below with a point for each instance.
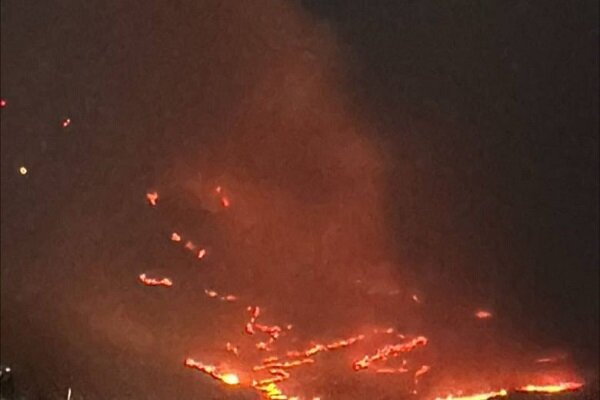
(7, 369)
(2, 103)
(66, 122)
(23, 170)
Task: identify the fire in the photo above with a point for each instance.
(479, 396)
(230, 379)
(225, 202)
(389, 351)
(155, 282)
(560, 387)
(152, 198)
(482, 314)
(227, 378)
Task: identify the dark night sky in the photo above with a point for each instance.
(487, 113)
(519, 81)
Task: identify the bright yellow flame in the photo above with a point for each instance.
(480, 396)
(23, 170)
(561, 387)
(230, 379)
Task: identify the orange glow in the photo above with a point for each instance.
(482, 314)
(225, 202)
(189, 245)
(480, 396)
(155, 282)
(201, 253)
(230, 379)
(389, 351)
(152, 198)
(422, 371)
(175, 237)
(23, 170)
(560, 387)
(211, 370)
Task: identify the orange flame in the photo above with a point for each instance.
(152, 198)
(211, 370)
(560, 387)
(479, 396)
(482, 314)
(155, 282)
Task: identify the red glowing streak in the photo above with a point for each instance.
(155, 282)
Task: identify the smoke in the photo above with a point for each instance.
(255, 100)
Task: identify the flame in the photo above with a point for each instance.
(227, 378)
(230, 379)
(225, 202)
(152, 198)
(482, 314)
(155, 282)
(389, 351)
(479, 396)
(560, 387)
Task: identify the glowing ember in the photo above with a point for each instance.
(65, 122)
(155, 282)
(225, 202)
(211, 370)
(480, 396)
(389, 351)
(23, 170)
(482, 314)
(152, 198)
(422, 371)
(175, 237)
(560, 387)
